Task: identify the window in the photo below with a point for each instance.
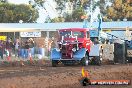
(88, 34)
(78, 34)
(66, 34)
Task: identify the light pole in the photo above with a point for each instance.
(20, 21)
(91, 13)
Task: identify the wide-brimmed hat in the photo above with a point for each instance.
(31, 39)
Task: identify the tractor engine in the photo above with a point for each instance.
(67, 49)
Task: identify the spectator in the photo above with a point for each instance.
(9, 45)
(1, 49)
(22, 46)
(31, 46)
(96, 41)
(26, 49)
(17, 47)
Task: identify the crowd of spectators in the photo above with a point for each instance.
(21, 49)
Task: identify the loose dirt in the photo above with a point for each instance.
(62, 76)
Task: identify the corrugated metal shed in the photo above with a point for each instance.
(53, 26)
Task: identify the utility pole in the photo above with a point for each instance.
(91, 13)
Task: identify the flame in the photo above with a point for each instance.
(84, 73)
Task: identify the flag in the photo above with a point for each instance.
(100, 21)
(84, 73)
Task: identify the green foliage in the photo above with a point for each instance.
(3, 1)
(101, 4)
(69, 18)
(75, 16)
(79, 9)
(77, 13)
(119, 10)
(58, 19)
(39, 2)
(11, 13)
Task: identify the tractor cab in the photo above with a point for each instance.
(74, 34)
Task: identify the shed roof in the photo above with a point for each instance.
(53, 26)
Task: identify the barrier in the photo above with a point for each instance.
(119, 53)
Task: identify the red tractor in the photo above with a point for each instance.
(74, 46)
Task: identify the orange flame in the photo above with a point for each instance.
(84, 73)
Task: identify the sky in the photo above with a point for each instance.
(19, 1)
(50, 6)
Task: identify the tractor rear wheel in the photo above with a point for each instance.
(54, 63)
(97, 60)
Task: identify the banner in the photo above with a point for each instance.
(3, 38)
(30, 34)
(108, 30)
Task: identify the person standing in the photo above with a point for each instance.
(31, 47)
(17, 47)
(96, 41)
(1, 49)
(26, 49)
(22, 47)
(9, 45)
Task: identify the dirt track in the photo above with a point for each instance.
(61, 77)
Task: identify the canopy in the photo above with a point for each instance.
(18, 30)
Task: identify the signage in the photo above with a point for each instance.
(3, 37)
(108, 30)
(30, 34)
(129, 53)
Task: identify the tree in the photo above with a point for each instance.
(120, 9)
(37, 4)
(77, 13)
(58, 19)
(79, 8)
(3, 1)
(11, 13)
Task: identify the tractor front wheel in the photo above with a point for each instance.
(54, 63)
(84, 61)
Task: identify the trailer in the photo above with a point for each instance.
(129, 51)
